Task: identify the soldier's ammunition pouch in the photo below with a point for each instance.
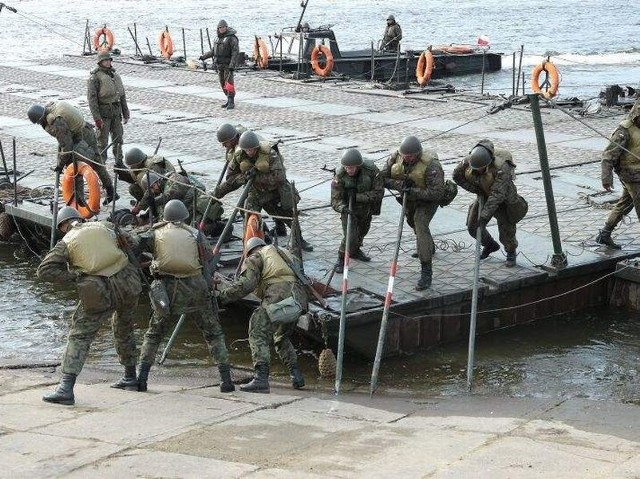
(159, 297)
(262, 165)
(450, 192)
(517, 210)
(286, 311)
(94, 294)
(245, 165)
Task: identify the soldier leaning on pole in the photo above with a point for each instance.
(362, 179)
(418, 174)
(66, 124)
(490, 172)
(269, 271)
(622, 155)
(271, 190)
(138, 163)
(108, 105)
(180, 253)
(90, 256)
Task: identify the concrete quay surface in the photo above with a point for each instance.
(181, 431)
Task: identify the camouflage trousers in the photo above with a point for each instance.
(419, 216)
(225, 75)
(506, 228)
(360, 224)
(112, 126)
(269, 201)
(262, 332)
(89, 137)
(188, 296)
(629, 200)
(118, 305)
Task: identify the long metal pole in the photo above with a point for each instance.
(172, 339)
(387, 300)
(559, 259)
(519, 69)
(15, 175)
(483, 73)
(343, 305)
(4, 162)
(474, 300)
(184, 45)
(513, 75)
(54, 218)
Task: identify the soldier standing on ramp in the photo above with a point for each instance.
(225, 54)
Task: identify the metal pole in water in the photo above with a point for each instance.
(484, 52)
(343, 305)
(373, 61)
(15, 175)
(519, 69)
(184, 45)
(559, 258)
(474, 301)
(387, 301)
(513, 76)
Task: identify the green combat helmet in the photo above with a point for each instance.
(175, 211)
(150, 179)
(134, 156)
(102, 56)
(481, 155)
(351, 157)
(410, 146)
(35, 113)
(226, 132)
(254, 243)
(248, 140)
(67, 213)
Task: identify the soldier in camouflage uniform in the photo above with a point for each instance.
(490, 172)
(419, 175)
(66, 124)
(225, 55)
(271, 190)
(622, 155)
(392, 35)
(138, 163)
(363, 180)
(108, 285)
(179, 186)
(108, 105)
(180, 255)
(268, 271)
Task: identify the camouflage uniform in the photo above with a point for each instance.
(271, 190)
(392, 36)
(368, 187)
(500, 198)
(427, 178)
(225, 53)
(187, 288)
(66, 124)
(176, 187)
(626, 164)
(156, 163)
(110, 293)
(108, 102)
(270, 289)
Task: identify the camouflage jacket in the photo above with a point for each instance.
(268, 181)
(368, 186)
(433, 179)
(226, 50)
(93, 93)
(392, 37)
(175, 187)
(616, 152)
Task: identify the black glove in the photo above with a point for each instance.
(201, 58)
(345, 210)
(250, 173)
(58, 168)
(408, 184)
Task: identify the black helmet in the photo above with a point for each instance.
(134, 156)
(103, 56)
(226, 132)
(67, 213)
(481, 155)
(222, 23)
(248, 140)
(254, 243)
(410, 146)
(175, 211)
(351, 157)
(35, 113)
(150, 179)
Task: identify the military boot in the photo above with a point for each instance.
(226, 384)
(339, 266)
(64, 392)
(604, 238)
(129, 381)
(111, 195)
(143, 376)
(511, 259)
(491, 247)
(226, 104)
(260, 382)
(231, 104)
(297, 381)
(305, 245)
(281, 228)
(426, 275)
(359, 255)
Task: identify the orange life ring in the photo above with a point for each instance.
(424, 68)
(253, 228)
(90, 205)
(552, 79)
(107, 43)
(315, 61)
(261, 53)
(166, 44)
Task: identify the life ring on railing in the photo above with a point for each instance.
(166, 44)
(424, 68)
(261, 53)
(315, 61)
(552, 79)
(107, 43)
(253, 229)
(87, 206)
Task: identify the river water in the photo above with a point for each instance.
(594, 42)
